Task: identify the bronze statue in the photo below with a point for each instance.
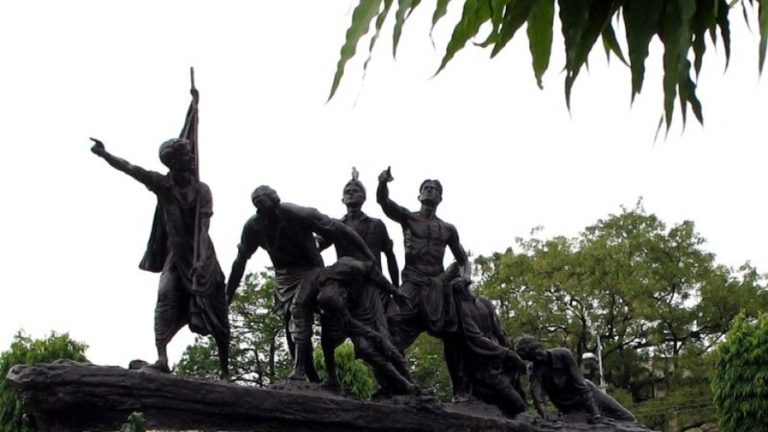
(191, 281)
(373, 231)
(556, 373)
(432, 308)
(286, 231)
(350, 306)
(489, 365)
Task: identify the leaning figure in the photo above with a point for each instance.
(556, 373)
(192, 286)
(350, 305)
(287, 232)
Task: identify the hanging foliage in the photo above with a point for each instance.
(681, 26)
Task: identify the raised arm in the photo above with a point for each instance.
(390, 208)
(147, 178)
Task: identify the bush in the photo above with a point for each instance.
(740, 384)
(25, 350)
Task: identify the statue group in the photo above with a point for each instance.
(382, 317)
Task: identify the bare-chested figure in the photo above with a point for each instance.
(431, 307)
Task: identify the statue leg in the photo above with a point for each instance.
(386, 374)
(302, 310)
(608, 406)
(216, 316)
(405, 323)
(332, 316)
(454, 363)
(504, 396)
(170, 314)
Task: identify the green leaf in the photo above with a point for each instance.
(364, 13)
(688, 94)
(574, 17)
(704, 19)
(582, 27)
(677, 40)
(379, 23)
(642, 20)
(611, 44)
(497, 19)
(763, 19)
(515, 15)
(725, 31)
(540, 21)
(475, 13)
(404, 9)
(440, 10)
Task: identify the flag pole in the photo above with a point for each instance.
(196, 237)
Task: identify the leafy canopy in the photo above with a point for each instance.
(25, 350)
(681, 25)
(652, 293)
(740, 384)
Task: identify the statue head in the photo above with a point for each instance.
(177, 155)
(431, 192)
(353, 195)
(265, 199)
(529, 348)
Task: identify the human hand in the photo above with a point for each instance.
(401, 300)
(460, 283)
(592, 419)
(98, 147)
(386, 176)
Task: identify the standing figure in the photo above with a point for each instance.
(432, 308)
(191, 281)
(373, 231)
(287, 232)
(556, 373)
(350, 306)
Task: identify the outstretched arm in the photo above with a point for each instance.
(536, 393)
(147, 178)
(390, 208)
(335, 231)
(245, 250)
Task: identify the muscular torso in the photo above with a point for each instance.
(425, 243)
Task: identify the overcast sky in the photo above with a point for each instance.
(510, 156)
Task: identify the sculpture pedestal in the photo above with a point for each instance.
(70, 396)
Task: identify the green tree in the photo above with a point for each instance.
(740, 383)
(654, 296)
(682, 26)
(25, 350)
(258, 352)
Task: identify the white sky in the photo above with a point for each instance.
(510, 156)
